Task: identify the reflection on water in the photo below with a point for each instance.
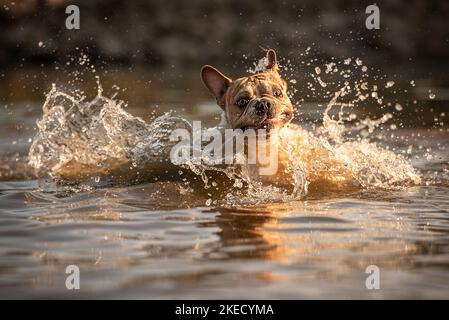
(131, 242)
(156, 240)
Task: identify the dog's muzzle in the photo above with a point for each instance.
(262, 107)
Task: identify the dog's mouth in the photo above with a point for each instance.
(271, 123)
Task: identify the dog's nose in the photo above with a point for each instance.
(262, 107)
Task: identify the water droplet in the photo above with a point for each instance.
(389, 84)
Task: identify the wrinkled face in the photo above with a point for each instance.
(259, 101)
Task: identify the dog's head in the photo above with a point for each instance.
(259, 101)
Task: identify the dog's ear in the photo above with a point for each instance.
(215, 81)
(272, 60)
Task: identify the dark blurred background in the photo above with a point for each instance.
(165, 33)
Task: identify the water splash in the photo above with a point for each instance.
(97, 140)
(78, 139)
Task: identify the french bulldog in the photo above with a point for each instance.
(257, 101)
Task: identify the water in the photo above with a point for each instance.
(165, 238)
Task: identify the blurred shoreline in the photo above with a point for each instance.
(180, 34)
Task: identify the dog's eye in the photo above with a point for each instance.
(242, 102)
(278, 93)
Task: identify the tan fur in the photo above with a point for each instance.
(257, 88)
(262, 87)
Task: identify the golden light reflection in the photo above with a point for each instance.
(330, 241)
